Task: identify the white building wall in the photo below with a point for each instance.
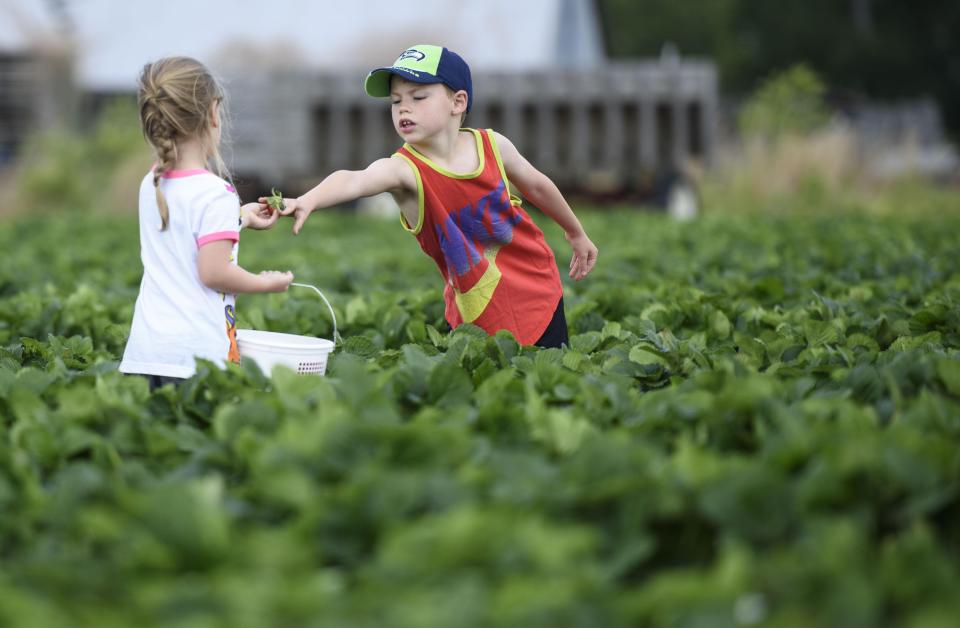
(113, 39)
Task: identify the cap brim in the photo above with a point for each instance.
(377, 83)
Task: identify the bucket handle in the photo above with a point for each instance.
(329, 307)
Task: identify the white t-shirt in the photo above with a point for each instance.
(177, 318)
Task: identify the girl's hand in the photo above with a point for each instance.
(293, 207)
(257, 216)
(275, 280)
(584, 255)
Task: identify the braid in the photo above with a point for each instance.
(158, 132)
(167, 154)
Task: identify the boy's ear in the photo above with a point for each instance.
(460, 99)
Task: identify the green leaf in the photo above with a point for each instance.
(357, 310)
(449, 385)
(862, 340)
(586, 342)
(949, 372)
(641, 354)
(361, 346)
(820, 333)
(611, 329)
(573, 359)
(436, 338)
(35, 381)
(720, 325)
(417, 331)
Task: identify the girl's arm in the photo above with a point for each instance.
(542, 192)
(383, 175)
(218, 273)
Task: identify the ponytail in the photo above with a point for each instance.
(175, 97)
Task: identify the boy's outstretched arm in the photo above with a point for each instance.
(384, 175)
(542, 192)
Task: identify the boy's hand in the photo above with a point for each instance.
(584, 255)
(293, 207)
(275, 280)
(257, 216)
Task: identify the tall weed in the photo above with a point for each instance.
(64, 168)
(792, 156)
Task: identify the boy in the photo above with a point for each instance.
(453, 187)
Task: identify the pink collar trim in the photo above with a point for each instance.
(177, 174)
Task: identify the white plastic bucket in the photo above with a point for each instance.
(303, 354)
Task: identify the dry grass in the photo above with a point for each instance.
(763, 174)
(9, 203)
(118, 194)
(822, 171)
(121, 194)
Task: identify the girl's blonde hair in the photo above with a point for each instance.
(176, 95)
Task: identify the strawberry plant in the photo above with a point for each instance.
(755, 423)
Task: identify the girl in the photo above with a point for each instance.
(190, 221)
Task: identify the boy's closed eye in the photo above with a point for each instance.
(415, 96)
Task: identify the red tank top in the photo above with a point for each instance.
(499, 271)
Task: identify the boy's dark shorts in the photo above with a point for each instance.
(556, 333)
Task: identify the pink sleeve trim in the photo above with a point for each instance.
(219, 235)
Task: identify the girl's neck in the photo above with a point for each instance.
(191, 155)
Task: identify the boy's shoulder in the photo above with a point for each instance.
(493, 134)
(498, 138)
(498, 141)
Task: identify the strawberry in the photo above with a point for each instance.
(275, 200)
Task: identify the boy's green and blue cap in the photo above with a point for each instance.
(424, 63)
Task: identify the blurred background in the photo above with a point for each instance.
(693, 106)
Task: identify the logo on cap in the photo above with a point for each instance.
(412, 53)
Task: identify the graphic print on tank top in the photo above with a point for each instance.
(470, 238)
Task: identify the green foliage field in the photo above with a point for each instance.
(757, 423)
